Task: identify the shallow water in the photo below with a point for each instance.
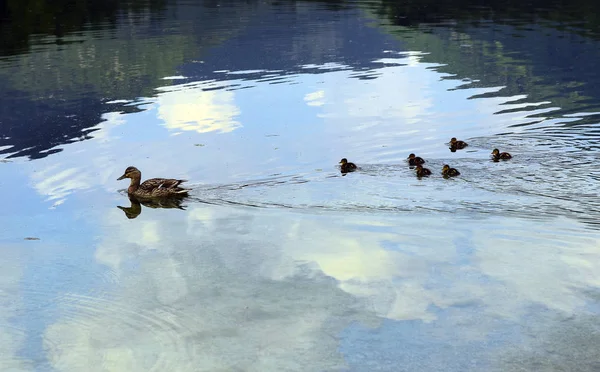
(277, 261)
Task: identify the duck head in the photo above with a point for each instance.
(131, 172)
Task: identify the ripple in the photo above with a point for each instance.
(539, 182)
(39, 298)
(12, 335)
(120, 324)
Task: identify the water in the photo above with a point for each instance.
(277, 262)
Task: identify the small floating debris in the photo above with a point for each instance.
(199, 144)
(31, 238)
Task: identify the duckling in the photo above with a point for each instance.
(422, 172)
(449, 172)
(415, 160)
(347, 167)
(497, 155)
(152, 188)
(454, 144)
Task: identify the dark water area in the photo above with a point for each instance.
(277, 261)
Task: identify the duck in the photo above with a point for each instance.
(422, 172)
(346, 167)
(497, 155)
(455, 144)
(415, 160)
(449, 172)
(153, 187)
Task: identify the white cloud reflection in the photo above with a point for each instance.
(190, 108)
(549, 268)
(204, 290)
(315, 98)
(201, 299)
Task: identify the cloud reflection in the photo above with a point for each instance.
(198, 296)
(315, 98)
(203, 289)
(190, 108)
(535, 269)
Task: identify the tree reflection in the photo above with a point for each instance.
(22, 19)
(416, 12)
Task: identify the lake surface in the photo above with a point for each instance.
(277, 262)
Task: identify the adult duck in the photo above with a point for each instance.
(152, 188)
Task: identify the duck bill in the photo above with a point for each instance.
(122, 177)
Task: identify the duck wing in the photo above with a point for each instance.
(161, 184)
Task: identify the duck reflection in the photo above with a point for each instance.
(136, 205)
